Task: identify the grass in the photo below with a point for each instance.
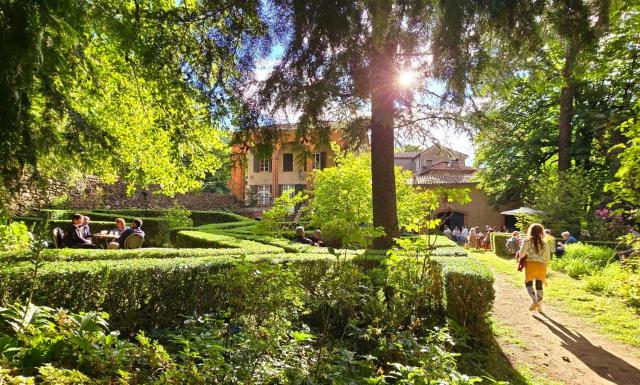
(609, 315)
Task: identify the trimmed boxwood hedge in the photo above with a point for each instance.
(158, 253)
(199, 239)
(149, 293)
(469, 292)
(198, 217)
(499, 244)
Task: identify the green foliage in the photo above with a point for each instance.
(177, 216)
(519, 125)
(499, 244)
(627, 183)
(342, 201)
(196, 239)
(581, 260)
(284, 205)
(617, 281)
(469, 291)
(14, 236)
(564, 200)
(119, 88)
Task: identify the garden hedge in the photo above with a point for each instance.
(199, 239)
(150, 293)
(499, 244)
(152, 252)
(198, 217)
(469, 292)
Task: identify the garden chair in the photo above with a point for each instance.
(56, 236)
(133, 241)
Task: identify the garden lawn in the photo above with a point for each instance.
(609, 314)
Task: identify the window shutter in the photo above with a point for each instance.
(270, 164)
(280, 187)
(323, 160)
(287, 162)
(256, 163)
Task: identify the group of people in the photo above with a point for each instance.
(558, 248)
(79, 236)
(473, 237)
(314, 240)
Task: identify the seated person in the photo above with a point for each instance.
(513, 243)
(300, 238)
(317, 238)
(74, 236)
(136, 228)
(86, 231)
(568, 238)
(121, 227)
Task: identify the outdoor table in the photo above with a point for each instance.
(105, 238)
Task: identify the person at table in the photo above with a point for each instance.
(316, 239)
(121, 226)
(86, 230)
(74, 236)
(300, 238)
(136, 228)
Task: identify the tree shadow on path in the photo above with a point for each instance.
(603, 363)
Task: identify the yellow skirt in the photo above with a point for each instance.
(535, 270)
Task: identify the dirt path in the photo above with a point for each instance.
(558, 345)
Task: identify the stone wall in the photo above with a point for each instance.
(90, 193)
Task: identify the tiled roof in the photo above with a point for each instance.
(405, 155)
(431, 180)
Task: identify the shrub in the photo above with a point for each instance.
(469, 292)
(14, 236)
(616, 281)
(449, 252)
(581, 260)
(499, 244)
(282, 206)
(198, 217)
(111, 255)
(435, 240)
(148, 293)
(198, 239)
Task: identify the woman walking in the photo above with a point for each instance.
(536, 251)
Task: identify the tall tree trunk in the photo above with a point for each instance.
(383, 180)
(566, 108)
(383, 95)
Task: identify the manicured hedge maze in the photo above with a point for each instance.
(154, 288)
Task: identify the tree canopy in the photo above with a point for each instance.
(518, 125)
(125, 88)
(342, 61)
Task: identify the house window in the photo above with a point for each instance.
(289, 189)
(264, 165)
(264, 194)
(287, 162)
(317, 160)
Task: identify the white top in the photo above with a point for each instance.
(464, 232)
(456, 232)
(527, 250)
